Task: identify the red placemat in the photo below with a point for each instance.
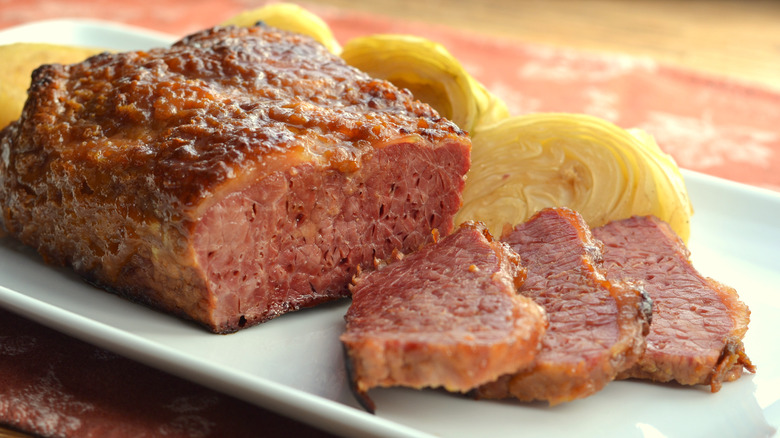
(53, 385)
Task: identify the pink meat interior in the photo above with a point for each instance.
(295, 238)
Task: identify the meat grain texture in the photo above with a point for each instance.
(698, 323)
(240, 174)
(446, 316)
(597, 328)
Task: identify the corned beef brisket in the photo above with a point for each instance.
(698, 323)
(448, 315)
(240, 174)
(597, 328)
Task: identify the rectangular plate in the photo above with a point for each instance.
(293, 364)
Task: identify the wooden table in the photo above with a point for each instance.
(726, 37)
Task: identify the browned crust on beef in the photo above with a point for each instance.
(596, 327)
(120, 164)
(446, 316)
(698, 323)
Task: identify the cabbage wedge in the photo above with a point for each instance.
(290, 17)
(430, 72)
(525, 163)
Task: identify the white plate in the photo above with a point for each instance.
(293, 365)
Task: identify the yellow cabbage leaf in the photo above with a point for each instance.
(430, 72)
(290, 17)
(525, 163)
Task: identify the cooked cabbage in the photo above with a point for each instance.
(430, 72)
(525, 163)
(289, 17)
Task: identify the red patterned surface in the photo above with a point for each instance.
(54, 385)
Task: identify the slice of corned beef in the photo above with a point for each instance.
(698, 323)
(596, 328)
(446, 316)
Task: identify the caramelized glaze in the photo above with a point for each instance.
(218, 104)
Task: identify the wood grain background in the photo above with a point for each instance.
(724, 37)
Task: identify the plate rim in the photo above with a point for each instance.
(136, 347)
